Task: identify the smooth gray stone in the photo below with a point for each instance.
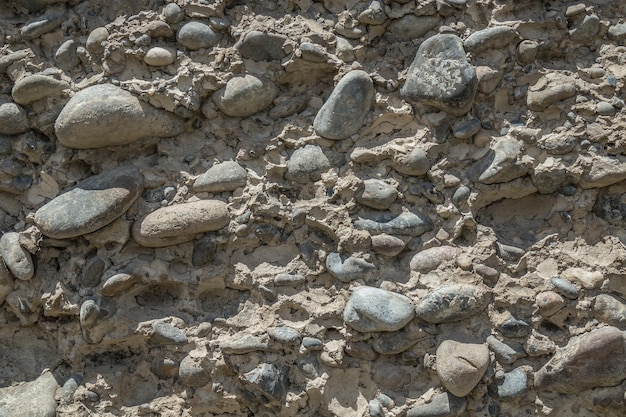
(617, 32)
(493, 38)
(204, 252)
(95, 40)
(268, 382)
(513, 327)
(66, 57)
(415, 163)
(440, 76)
(16, 258)
(30, 399)
(372, 309)
(90, 205)
(377, 194)
(564, 287)
(591, 360)
(604, 108)
(312, 52)
(43, 25)
(260, 46)
(406, 224)
(196, 35)
(225, 176)
(89, 313)
(70, 386)
(13, 119)
(442, 405)
(410, 27)
(117, 284)
(307, 164)
(350, 269)
(461, 195)
(192, 373)
(106, 115)
(94, 269)
(466, 129)
(375, 409)
(166, 334)
(35, 87)
(284, 334)
(245, 95)
(506, 353)
(312, 343)
(347, 107)
(452, 303)
(288, 107)
(289, 279)
(429, 259)
(173, 13)
(587, 30)
(394, 343)
(513, 384)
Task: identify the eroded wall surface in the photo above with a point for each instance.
(312, 208)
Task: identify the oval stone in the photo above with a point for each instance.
(16, 258)
(13, 119)
(106, 115)
(461, 365)
(158, 56)
(225, 176)
(35, 87)
(91, 204)
(196, 35)
(343, 114)
(431, 258)
(180, 223)
(245, 95)
(118, 283)
(452, 303)
(372, 309)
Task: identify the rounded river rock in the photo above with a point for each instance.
(372, 309)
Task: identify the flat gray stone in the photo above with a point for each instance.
(180, 223)
(372, 309)
(513, 327)
(30, 399)
(405, 224)
(440, 76)
(35, 87)
(344, 113)
(245, 95)
(16, 258)
(224, 176)
(307, 164)
(91, 204)
(494, 38)
(106, 115)
(442, 405)
(166, 334)
(429, 259)
(461, 365)
(42, 25)
(13, 119)
(513, 384)
(284, 334)
(349, 269)
(506, 353)
(260, 46)
(452, 303)
(564, 287)
(377, 194)
(196, 35)
(410, 27)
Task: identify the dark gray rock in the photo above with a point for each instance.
(375, 310)
(307, 164)
(15, 257)
(594, 359)
(203, 252)
(496, 37)
(410, 27)
(442, 405)
(90, 205)
(344, 113)
(349, 269)
(268, 382)
(42, 25)
(106, 115)
(245, 95)
(312, 343)
(224, 176)
(284, 334)
(260, 46)
(440, 76)
(377, 194)
(13, 119)
(196, 35)
(35, 87)
(587, 30)
(617, 32)
(288, 107)
(173, 13)
(406, 224)
(166, 334)
(30, 399)
(564, 287)
(506, 353)
(461, 195)
(466, 129)
(415, 163)
(452, 303)
(93, 271)
(192, 373)
(513, 384)
(66, 57)
(513, 327)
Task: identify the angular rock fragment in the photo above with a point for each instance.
(225, 176)
(344, 113)
(30, 399)
(429, 259)
(513, 384)
(375, 310)
(452, 303)
(245, 95)
(192, 373)
(268, 382)
(594, 359)
(440, 76)
(406, 224)
(91, 204)
(461, 365)
(505, 163)
(260, 46)
(106, 115)
(180, 223)
(16, 258)
(349, 269)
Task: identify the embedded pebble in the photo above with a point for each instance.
(13, 119)
(158, 56)
(180, 223)
(117, 284)
(43, 25)
(466, 129)
(452, 303)
(191, 372)
(593, 359)
(461, 365)
(347, 107)
(410, 27)
(91, 204)
(503, 166)
(223, 176)
(289, 279)
(549, 302)
(493, 38)
(617, 32)
(6, 281)
(93, 271)
(312, 343)
(89, 313)
(349, 269)
(513, 327)
(95, 40)
(375, 310)
(173, 13)
(610, 309)
(527, 51)
(442, 405)
(377, 194)
(564, 287)
(288, 107)
(513, 384)
(604, 108)
(268, 382)
(243, 344)
(415, 163)
(285, 335)
(506, 353)
(429, 259)
(440, 76)
(260, 46)
(406, 224)
(374, 14)
(312, 52)
(196, 35)
(65, 56)
(461, 195)
(121, 119)
(166, 334)
(159, 29)
(307, 164)
(245, 95)
(375, 409)
(35, 87)
(587, 30)
(542, 99)
(15, 257)
(387, 245)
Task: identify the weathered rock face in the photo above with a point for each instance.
(106, 115)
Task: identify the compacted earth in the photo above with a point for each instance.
(312, 208)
